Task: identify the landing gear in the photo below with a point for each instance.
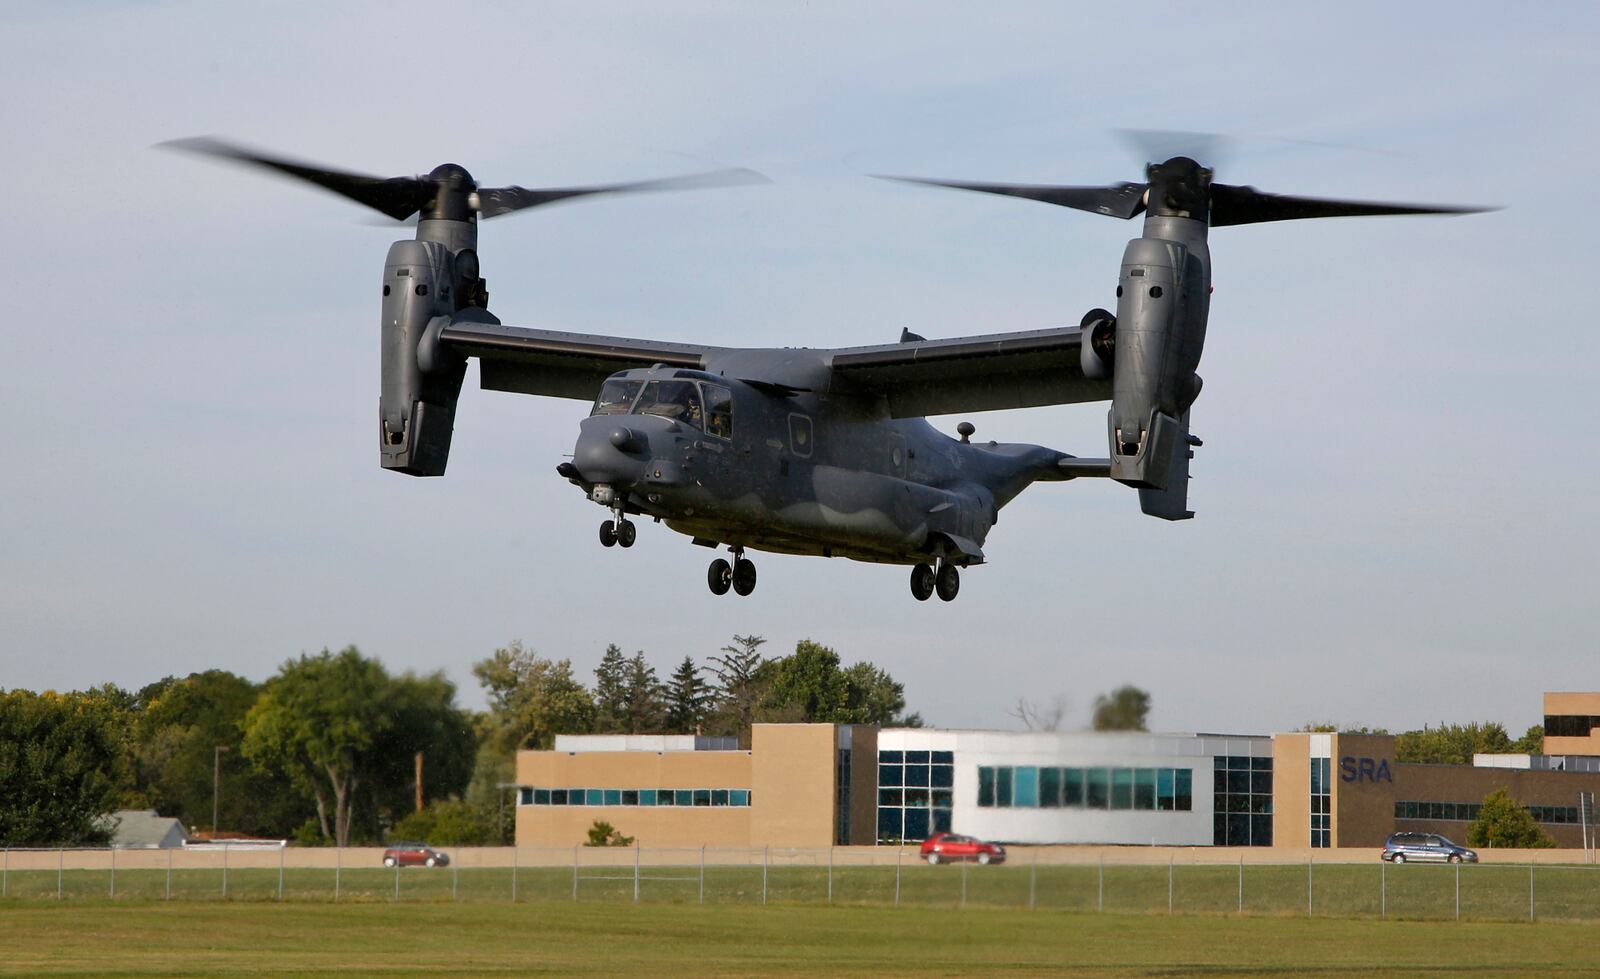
(619, 531)
(947, 582)
(922, 582)
(740, 575)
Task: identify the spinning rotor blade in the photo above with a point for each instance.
(1232, 205)
(1118, 200)
(495, 201)
(398, 197)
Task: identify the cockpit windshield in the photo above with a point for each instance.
(672, 399)
(616, 397)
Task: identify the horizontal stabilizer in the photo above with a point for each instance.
(1074, 468)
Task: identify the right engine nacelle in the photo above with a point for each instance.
(417, 403)
(1148, 393)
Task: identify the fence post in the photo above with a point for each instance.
(830, 873)
(224, 871)
(1458, 891)
(1383, 888)
(514, 873)
(1033, 879)
(5, 873)
(397, 877)
(702, 873)
(169, 873)
(61, 868)
(455, 881)
(963, 884)
(282, 848)
(635, 873)
(1530, 890)
(1102, 901)
(1169, 883)
(1309, 864)
(113, 873)
(1241, 882)
(574, 872)
(338, 865)
(766, 859)
(899, 851)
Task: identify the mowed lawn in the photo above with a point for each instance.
(138, 937)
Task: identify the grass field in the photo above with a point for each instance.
(141, 937)
(1486, 892)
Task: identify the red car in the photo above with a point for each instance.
(945, 847)
(414, 855)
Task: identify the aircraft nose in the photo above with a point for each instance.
(610, 451)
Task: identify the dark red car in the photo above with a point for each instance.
(946, 847)
(414, 855)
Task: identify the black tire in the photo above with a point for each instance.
(627, 533)
(744, 576)
(922, 582)
(1455, 858)
(608, 534)
(947, 582)
(719, 576)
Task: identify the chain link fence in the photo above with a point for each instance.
(1188, 882)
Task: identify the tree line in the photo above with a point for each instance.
(323, 751)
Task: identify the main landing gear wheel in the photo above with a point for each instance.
(947, 582)
(719, 576)
(922, 582)
(744, 576)
(608, 534)
(627, 533)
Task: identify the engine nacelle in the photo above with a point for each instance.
(417, 403)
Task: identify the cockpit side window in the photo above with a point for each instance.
(719, 411)
(616, 397)
(678, 400)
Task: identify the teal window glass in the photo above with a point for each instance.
(891, 775)
(891, 797)
(1097, 788)
(1025, 787)
(943, 776)
(1183, 789)
(985, 786)
(558, 797)
(630, 797)
(613, 797)
(944, 758)
(738, 797)
(916, 797)
(943, 799)
(647, 797)
(917, 775)
(1122, 788)
(1072, 786)
(594, 797)
(719, 797)
(1050, 788)
(702, 797)
(916, 758)
(666, 797)
(1002, 786)
(1164, 796)
(541, 797)
(1144, 788)
(683, 797)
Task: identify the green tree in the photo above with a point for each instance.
(532, 699)
(809, 685)
(610, 692)
(450, 822)
(740, 686)
(59, 762)
(1504, 822)
(603, 833)
(1451, 744)
(1531, 743)
(423, 718)
(1329, 727)
(1123, 709)
(688, 699)
(643, 698)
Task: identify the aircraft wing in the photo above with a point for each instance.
(1003, 370)
(553, 363)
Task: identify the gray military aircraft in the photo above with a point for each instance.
(812, 451)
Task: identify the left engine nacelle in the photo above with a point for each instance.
(417, 404)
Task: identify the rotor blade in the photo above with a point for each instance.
(1232, 205)
(398, 197)
(495, 201)
(1118, 200)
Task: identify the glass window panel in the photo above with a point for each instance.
(916, 797)
(541, 797)
(1218, 763)
(917, 775)
(1219, 783)
(616, 397)
(1144, 788)
(985, 786)
(1238, 830)
(1261, 804)
(1238, 803)
(1164, 782)
(891, 757)
(1261, 831)
(719, 411)
(943, 758)
(1238, 763)
(666, 797)
(941, 820)
(916, 758)
(558, 797)
(1238, 783)
(1122, 788)
(942, 776)
(738, 797)
(612, 797)
(594, 797)
(1316, 778)
(891, 797)
(889, 824)
(1097, 788)
(702, 797)
(647, 797)
(1219, 830)
(683, 797)
(917, 824)
(630, 797)
(1050, 788)
(1072, 786)
(1184, 790)
(1261, 764)
(1025, 789)
(943, 799)
(719, 797)
(1261, 782)
(891, 775)
(1002, 786)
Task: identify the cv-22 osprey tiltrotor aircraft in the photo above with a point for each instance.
(812, 451)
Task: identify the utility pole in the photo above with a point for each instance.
(216, 786)
(419, 781)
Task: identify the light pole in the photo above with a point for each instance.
(216, 785)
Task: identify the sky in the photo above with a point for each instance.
(1395, 497)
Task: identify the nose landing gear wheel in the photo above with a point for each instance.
(744, 576)
(922, 582)
(626, 533)
(608, 534)
(948, 582)
(719, 577)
